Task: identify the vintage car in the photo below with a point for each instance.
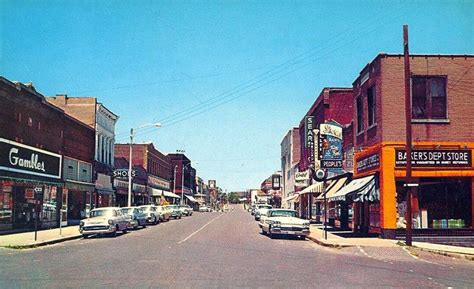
(151, 214)
(136, 217)
(165, 213)
(204, 208)
(107, 220)
(186, 210)
(175, 211)
(261, 208)
(284, 222)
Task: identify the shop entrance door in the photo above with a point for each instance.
(64, 207)
(24, 208)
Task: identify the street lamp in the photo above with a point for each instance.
(129, 203)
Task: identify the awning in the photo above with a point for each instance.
(354, 188)
(170, 195)
(191, 198)
(292, 198)
(155, 192)
(314, 188)
(332, 189)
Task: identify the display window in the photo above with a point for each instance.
(6, 205)
(437, 203)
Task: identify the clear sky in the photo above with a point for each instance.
(227, 79)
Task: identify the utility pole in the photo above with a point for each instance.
(408, 180)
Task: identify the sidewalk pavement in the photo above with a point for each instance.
(317, 235)
(44, 237)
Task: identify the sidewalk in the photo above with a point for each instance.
(337, 241)
(45, 237)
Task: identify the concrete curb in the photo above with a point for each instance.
(330, 245)
(448, 254)
(43, 243)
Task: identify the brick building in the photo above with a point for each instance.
(97, 116)
(290, 157)
(443, 141)
(157, 167)
(332, 104)
(183, 179)
(31, 148)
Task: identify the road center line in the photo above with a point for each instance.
(194, 233)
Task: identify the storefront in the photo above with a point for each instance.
(30, 186)
(156, 186)
(442, 192)
(81, 198)
(104, 190)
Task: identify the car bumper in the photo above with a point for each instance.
(287, 231)
(97, 229)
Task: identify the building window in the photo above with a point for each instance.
(360, 123)
(30, 122)
(371, 99)
(429, 97)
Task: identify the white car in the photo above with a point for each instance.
(107, 220)
(260, 209)
(284, 222)
(204, 208)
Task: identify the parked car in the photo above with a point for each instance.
(260, 209)
(252, 209)
(284, 222)
(164, 213)
(136, 217)
(175, 211)
(152, 216)
(186, 210)
(107, 220)
(204, 208)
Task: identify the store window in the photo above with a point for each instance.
(429, 97)
(371, 99)
(360, 122)
(6, 206)
(50, 213)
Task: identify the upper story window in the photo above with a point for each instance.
(360, 122)
(371, 100)
(429, 97)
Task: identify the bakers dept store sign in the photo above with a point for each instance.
(20, 158)
(435, 158)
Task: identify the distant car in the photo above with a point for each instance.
(107, 220)
(176, 212)
(151, 214)
(137, 217)
(260, 209)
(165, 213)
(186, 210)
(204, 208)
(284, 222)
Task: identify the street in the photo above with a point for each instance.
(223, 250)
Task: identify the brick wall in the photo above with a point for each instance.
(387, 73)
(82, 108)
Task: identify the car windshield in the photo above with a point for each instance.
(145, 208)
(265, 207)
(282, 213)
(101, 213)
(126, 210)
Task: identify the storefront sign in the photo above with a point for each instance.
(435, 158)
(368, 163)
(123, 173)
(276, 182)
(308, 129)
(20, 158)
(158, 183)
(330, 145)
(302, 176)
(212, 184)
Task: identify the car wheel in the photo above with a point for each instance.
(125, 231)
(180, 217)
(263, 231)
(114, 233)
(85, 236)
(155, 221)
(303, 237)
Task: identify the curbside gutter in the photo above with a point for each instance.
(326, 244)
(42, 243)
(447, 254)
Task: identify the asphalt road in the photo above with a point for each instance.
(223, 250)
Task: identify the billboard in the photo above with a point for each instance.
(330, 145)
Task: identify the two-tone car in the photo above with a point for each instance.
(186, 210)
(151, 214)
(164, 213)
(284, 222)
(106, 220)
(261, 209)
(175, 211)
(136, 216)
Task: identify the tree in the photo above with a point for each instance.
(233, 198)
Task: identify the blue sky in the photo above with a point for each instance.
(227, 79)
